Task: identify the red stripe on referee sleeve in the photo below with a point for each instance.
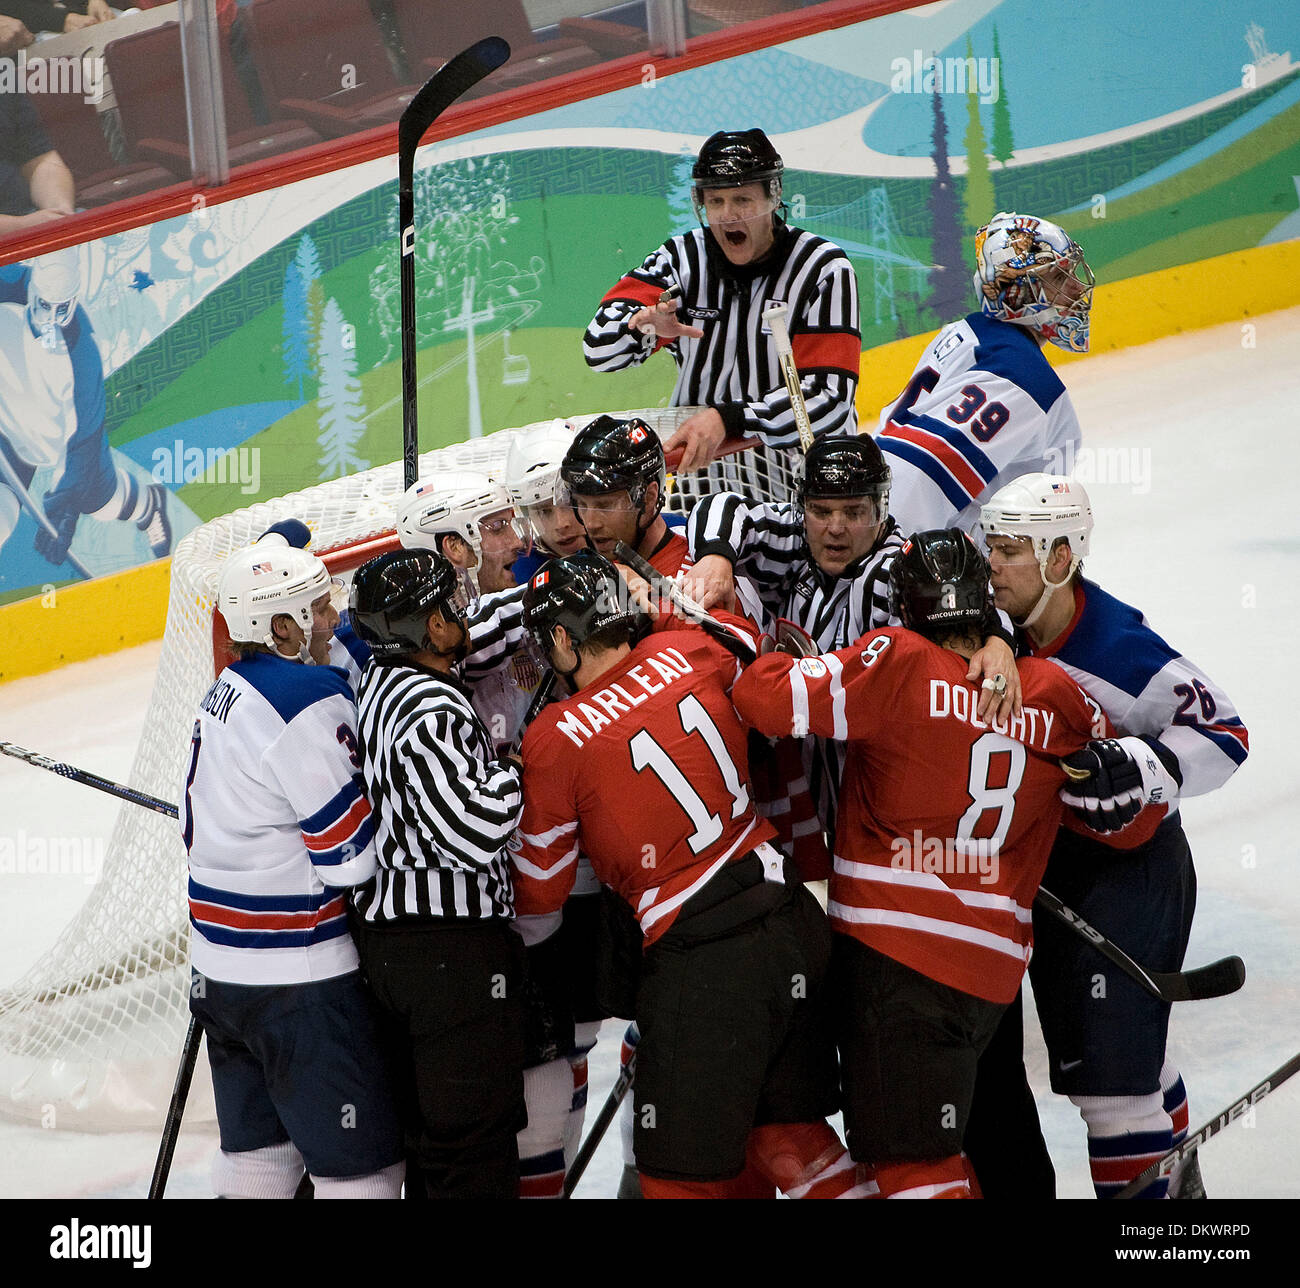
(942, 451)
(634, 288)
(815, 349)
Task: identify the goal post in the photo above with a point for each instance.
(90, 1035)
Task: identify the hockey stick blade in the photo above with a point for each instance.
(1217, 979)
(688, 608)
(455, 77)
(1189, 1145)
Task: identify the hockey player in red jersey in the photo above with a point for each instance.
(945, 825)
(643, 769)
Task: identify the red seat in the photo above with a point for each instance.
(77, 134)
(325, 62)
(433, 33)
(144, 69)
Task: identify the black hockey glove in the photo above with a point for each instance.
(62, 515)
(1112, 780)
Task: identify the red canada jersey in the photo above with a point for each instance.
(945, 821)
(644, 771)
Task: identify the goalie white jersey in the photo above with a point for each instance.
(275, 822)
(982, 408)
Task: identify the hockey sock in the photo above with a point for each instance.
(385, 1184)
(936, 1178)
(805, 1161)
(548, 1093)
(654, 1188)
(269, 1173)
(1185, 1177)
(584, 1038)
(130, 500)
(1126, 1134)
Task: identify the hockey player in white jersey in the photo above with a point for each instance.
(277, 829)
(1181, 736)
(984, 405)
(52, 415)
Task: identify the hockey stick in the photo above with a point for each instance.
(87, 779)
(541, 696)
(671, 591)
(176, 1110)
(608, 1112)
(455, 77)
(775, 319)
(12, 480)
(1217, 979)
(1165, 1165)
(194, 1034)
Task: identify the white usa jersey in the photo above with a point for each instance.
(276, 824)
(982, 408)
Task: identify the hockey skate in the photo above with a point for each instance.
(155, 524)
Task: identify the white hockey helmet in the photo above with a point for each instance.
(1030, 272)
(264, 580)
(1042, 508)
(532, 473)
(456, 501)
(53, 288)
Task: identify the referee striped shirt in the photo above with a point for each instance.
(766, 543)
(444, 808)
(734, 367)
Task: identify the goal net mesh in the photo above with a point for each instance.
(91, 1035)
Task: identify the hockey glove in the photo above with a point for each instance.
(788, 638)
(62, 516)
(1113, 780)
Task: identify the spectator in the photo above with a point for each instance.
(35, 185)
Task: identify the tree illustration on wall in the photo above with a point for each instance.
(1004, 143)
(303, 301)
(978, 199)
(342, 410)
(948, 277)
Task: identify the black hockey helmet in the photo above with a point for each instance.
(393, 594)
(845, 465)
(939, 584)
(583, 593)
(611, 455)
(731, 158)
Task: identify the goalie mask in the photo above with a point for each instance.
(393, 595)
(52, 292)
(1029, 272)
(939, 584)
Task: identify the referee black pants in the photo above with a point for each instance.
(449, 994)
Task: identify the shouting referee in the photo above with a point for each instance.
(702, 294)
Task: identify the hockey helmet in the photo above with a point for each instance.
(611, 455)
(583, 593)
(533, 460)
(1042, 508)
(455, 502)
(266, 580)
(845, 465)
(939, 584)
(393, 595)
(733, 158)
(52, 290)
(1030, 272)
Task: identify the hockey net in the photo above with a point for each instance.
(91, 1035)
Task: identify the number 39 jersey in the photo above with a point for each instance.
(982, 408)
(644, 770)
(945, 821)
